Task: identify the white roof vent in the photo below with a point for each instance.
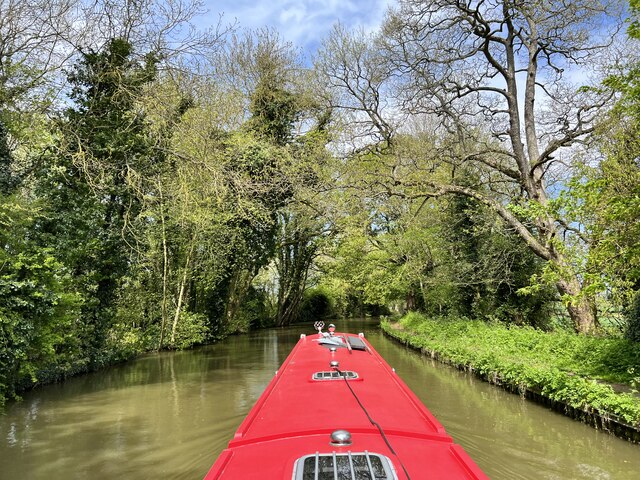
(344, 466)
(334, 375)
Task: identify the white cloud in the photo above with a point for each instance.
(296, 13)
(303, 22)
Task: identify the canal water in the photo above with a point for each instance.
(168, 416)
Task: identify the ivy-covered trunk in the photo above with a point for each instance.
(295, 254)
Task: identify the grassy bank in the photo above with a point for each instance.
(587, 373)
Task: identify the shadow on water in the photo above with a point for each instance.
(169, 415)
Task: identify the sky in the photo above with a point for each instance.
(302, 22)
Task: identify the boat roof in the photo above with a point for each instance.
(310, 397)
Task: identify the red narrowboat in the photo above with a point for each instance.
(337, 411)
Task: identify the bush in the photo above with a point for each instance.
(191, 330)
(255, 312)
(316, 305)
(38, 311)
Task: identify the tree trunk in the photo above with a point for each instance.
(181, 294)
(294, 267)
(581, 310)
(239, 286)
(165, 270)
(410, 301)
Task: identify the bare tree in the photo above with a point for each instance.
(32, 45)
(164, 27)
(494, 72)
(356, 82)
(252, 52)
(38, 38)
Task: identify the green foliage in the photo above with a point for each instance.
(606, 198)
(445, 255)
(159, 203)
(297, 245)
(274, 103)
(609, 206)
(38, 314)
(89, 186)
(7, 179)
(192, 330)
(493, 268)
(255, 311)
(634, 25)
(367, 273)
(633, 319)
(337, 293)
(273, 109)
(563, 366)
(317, 305)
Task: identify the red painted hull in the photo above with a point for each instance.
(295, 416)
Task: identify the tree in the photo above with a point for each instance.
(297, 247)
(260, 187)
(492, 73)
(38, 310)
(610, 192)
(40, 40)
(281, 115)
(33, 37)
(166, 27)
(356, 83)
(214, 213)
(90, 184)
(273, 109)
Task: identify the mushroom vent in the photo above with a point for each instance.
(340, 438)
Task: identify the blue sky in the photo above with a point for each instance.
(303, 22)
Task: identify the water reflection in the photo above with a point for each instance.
(169, 415)
(164, 416)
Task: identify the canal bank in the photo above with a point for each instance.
(531, 372)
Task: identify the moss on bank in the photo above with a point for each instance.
(577, 371)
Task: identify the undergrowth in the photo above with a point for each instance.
(569, 368)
